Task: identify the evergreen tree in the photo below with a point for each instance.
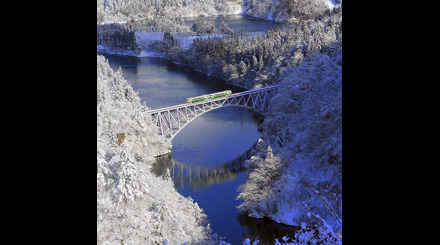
(225, 28)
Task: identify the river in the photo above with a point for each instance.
(207, 157)
(235, 22)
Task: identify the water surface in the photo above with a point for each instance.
(235, 22)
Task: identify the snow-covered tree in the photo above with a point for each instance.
(258, 191)
(203, 27)
(225, 28)
(287, 10)
(133, 10)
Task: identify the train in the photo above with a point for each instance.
(208, 96)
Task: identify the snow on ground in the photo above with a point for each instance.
(186, 41)
(151, 36)
(144, 38)
(239, 10)
(286, 214)
(144, 53)
(330, 3)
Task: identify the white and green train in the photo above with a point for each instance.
(208, 96)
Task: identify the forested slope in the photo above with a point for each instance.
(298, 180)
(133, 205)
(288, 10)
(279, 10)
(255, 61)
(130, 10)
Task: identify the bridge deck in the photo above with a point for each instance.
(170, 120)
(174, 107)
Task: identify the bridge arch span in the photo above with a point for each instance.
(171, 120)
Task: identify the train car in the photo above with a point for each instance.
(195, 99)
(208, 96)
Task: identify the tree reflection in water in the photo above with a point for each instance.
(200, 176)
(265, 230)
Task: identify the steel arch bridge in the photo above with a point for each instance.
(170, 120)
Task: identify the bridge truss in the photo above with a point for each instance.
(170, 120)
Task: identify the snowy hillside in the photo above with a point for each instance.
(288, 10)
(300, 180)
(123, 11)
(133, 205)
(279, 10)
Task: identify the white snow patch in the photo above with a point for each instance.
(330, 3)
(239, 10)
(144, 53)
(186, 41)
(286, 214)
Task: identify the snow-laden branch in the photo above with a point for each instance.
(318, 217)
(326, 204)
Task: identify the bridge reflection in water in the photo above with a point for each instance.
(196, 176)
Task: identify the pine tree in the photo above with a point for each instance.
(225, 28)
(260, 63)
(242, 68)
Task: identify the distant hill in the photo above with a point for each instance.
(278, 10)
